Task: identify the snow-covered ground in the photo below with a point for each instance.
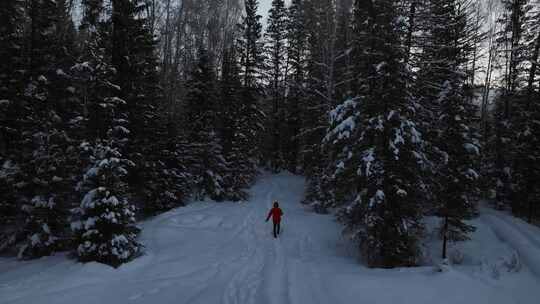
(224, 253)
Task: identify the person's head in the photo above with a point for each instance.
(276, 204)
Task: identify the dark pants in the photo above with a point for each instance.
(276, 229)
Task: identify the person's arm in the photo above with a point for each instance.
(281, 212)
(269, 215)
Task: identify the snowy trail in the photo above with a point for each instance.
(518, 234)
(211, 253)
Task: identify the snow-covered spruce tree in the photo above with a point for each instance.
(127, 68)
(296, 56)
(38, 168)
(274, 73)
(233, 140)
(251, 123)
(524, 117)
(320, 89)
(105, 231)
(103, 224)
(376, 138)
(167, 179)
(11, 116)
(533, 47)
(48, 167)
(452, 129)
(511, 39)
(457, 175)
(9, 214)
(200, 127)
(330, 76)
(52, 188)
(11, 38)
(343, 62)
(531, 132)
(150, 141)
(175, 175)
(526, 169)
(513, 56)
(250, 45)
(94, 73)
(339, 143)
(250, 116)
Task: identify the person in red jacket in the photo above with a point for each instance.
(276, 214)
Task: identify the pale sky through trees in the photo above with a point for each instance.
(265, 5)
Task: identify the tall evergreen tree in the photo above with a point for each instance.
(513, 54)
(149, 146)
(445, 57)
(275, 52)
(250, 45)
(375, 144)
(250, 50)
(296, 78)
(234, 141)
(533, 36)
(12, 109)
(94, 73)
(524, 114)
(11, 38)
(52, 102)
(104, 221)
(200, 124)
(105, 230)
(343, 61)
(320, 87)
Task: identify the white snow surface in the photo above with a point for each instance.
(212, 252)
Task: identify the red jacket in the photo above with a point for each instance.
(276, 214)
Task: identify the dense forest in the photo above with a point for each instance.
(113, 111)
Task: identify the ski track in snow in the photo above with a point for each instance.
(212, 253)
(511, 231)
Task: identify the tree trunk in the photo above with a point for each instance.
(120, 35)
(410, 30)
(534, 65)
(530, 216)
(445, 236)
(476, 40)
(33, 33)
